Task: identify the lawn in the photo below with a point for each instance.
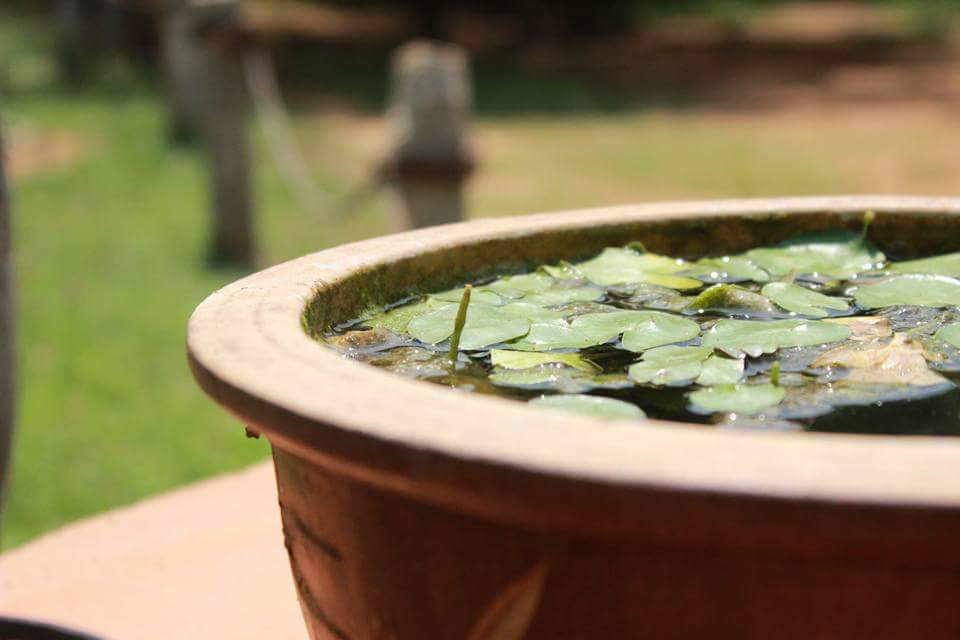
(110, 230)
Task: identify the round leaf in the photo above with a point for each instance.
(755, 337)
(913, 289)
(737, 398)
(950, 334)
(525, 359)
(485, 325)
(801, 300)
(596, 406)
(669, 365)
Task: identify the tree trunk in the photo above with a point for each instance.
(7, 361)
(177, 55)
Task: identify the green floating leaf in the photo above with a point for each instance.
(397, 319)
(727, 268)
(730, 297)
(754, 337)
(477, 296)
(532, 312)
(912, 289)
(485, 325)
(521, 285)
(596, 406)
(838, 255)
(658, 329)
(525, 359)
(625, 266)
(669, 365)
(652, 328)
(793, 297)
(717, 370)
(560, 296)
(945, 265)
(737, 398)
(950, 334)
(557, 378)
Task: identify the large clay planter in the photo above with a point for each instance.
(415, 512)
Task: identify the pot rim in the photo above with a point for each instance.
(248, 350)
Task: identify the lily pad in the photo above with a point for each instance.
(737, 398)
(597, 406)
(657, 330)
(727, 269)
(397, 318)
(507, 359)
(521, 285)
(911, 289)
(560, 296)
(478, 296)
(556, 378)
(624, 266)
(803, 301)
(833, 254)
(719, 370)
(670, 365)
(950, 334)
(485, 326)
(754, 337)
(945, 265)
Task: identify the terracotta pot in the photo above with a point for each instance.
(412, 511)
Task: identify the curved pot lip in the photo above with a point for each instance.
(248, 350)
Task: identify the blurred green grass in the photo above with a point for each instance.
(110, 244)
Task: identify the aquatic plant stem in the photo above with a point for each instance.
(868, 218)
(775, 374)
(458, 324)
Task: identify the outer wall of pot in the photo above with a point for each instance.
(372, 565)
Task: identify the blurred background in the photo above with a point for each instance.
(158, 149)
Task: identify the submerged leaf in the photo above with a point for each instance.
(754, 337)
(485, 326)
(898, 362)
(730, 297)
(865, 328)
(669, 365)
(623, 266)
(737, 398)
(838, 255)
(793, 297)
(596, 406)
(525, 359)
(912, 289)
(945, 265)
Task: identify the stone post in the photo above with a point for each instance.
(429, 111)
